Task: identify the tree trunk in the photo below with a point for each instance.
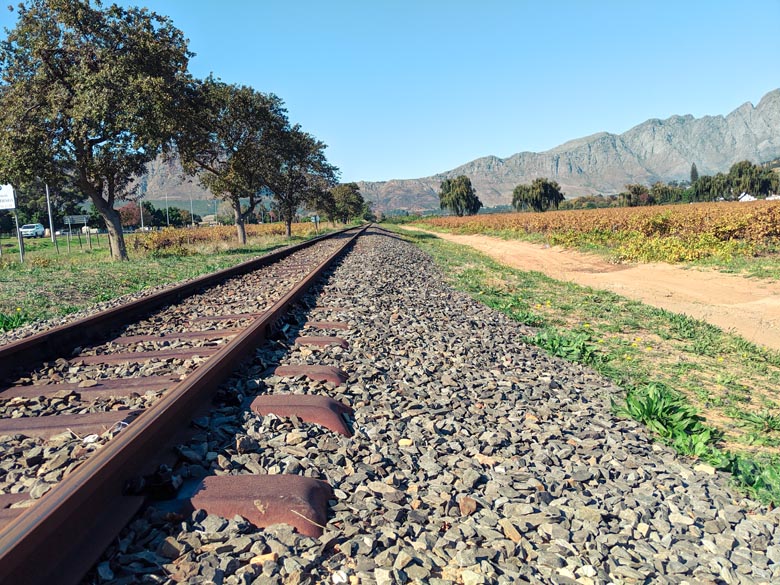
(111, 217)
(288, 227)
(116, 239)
(240, 227)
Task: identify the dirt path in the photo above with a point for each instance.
(749, 307)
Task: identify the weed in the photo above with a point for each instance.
(761, 421)
(667, 414)
(13, 320)
(576, 347)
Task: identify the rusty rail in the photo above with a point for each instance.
(59, 538)
(20, 354)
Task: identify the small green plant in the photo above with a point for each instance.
(13, 320)
(667, 414)
(761, 421)
(576, 347)
(759, 477)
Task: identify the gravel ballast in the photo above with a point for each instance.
(34, 466)
(476, 459)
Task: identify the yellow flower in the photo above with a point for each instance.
(633, 344)
(586, 325)
(720, 358)
(648, 348)
(18, 309)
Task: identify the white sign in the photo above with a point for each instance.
(7, 197)
(69, 219)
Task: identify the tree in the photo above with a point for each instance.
(745, 177)
(232, 143)
(303, 175)
(349, 203)
(540, 195)
(459, 196)
(666, 193)
(130, 214)
(694, 173)
(90, 93)
(368, 211)
(324, 204)
(636, 195)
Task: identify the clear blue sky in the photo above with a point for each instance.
(405, 88)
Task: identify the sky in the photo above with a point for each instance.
(401, 89)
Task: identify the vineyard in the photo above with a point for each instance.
(672, 233)
(174, 241)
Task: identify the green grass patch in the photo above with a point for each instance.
(51, 285)
(709, 394)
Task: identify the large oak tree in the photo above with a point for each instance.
(90, 92)
(348, 202)
(303, 176)
(233, 143)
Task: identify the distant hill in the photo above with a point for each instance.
(166, 178)
(604, 163)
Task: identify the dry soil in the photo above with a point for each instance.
(746, 306)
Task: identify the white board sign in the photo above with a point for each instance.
(76, 219)
(7, 200)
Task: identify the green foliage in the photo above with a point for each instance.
(401, 219)
(540, 195)
(760, 477)
(576, 347)
(232, 142)
(91, 94)
(694, 173)
(743, 177)
(667, 414)
(635, 195)
(589, 202)
(761, 421)
(348, 203)
(304, 173)
(458, 196)
(13, 320)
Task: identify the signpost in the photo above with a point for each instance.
(8, 201)
(73, 219)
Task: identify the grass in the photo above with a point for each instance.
(710, 394)
(50, 285)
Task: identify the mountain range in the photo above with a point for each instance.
(655, 150)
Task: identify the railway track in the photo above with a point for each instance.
(474, 458)
(90, 410)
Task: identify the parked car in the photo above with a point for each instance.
(32, 230)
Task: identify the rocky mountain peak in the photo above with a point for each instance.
(604, 163)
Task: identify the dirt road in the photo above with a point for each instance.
(749, 307)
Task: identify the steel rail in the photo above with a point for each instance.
(60, 537)
(20, 354)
